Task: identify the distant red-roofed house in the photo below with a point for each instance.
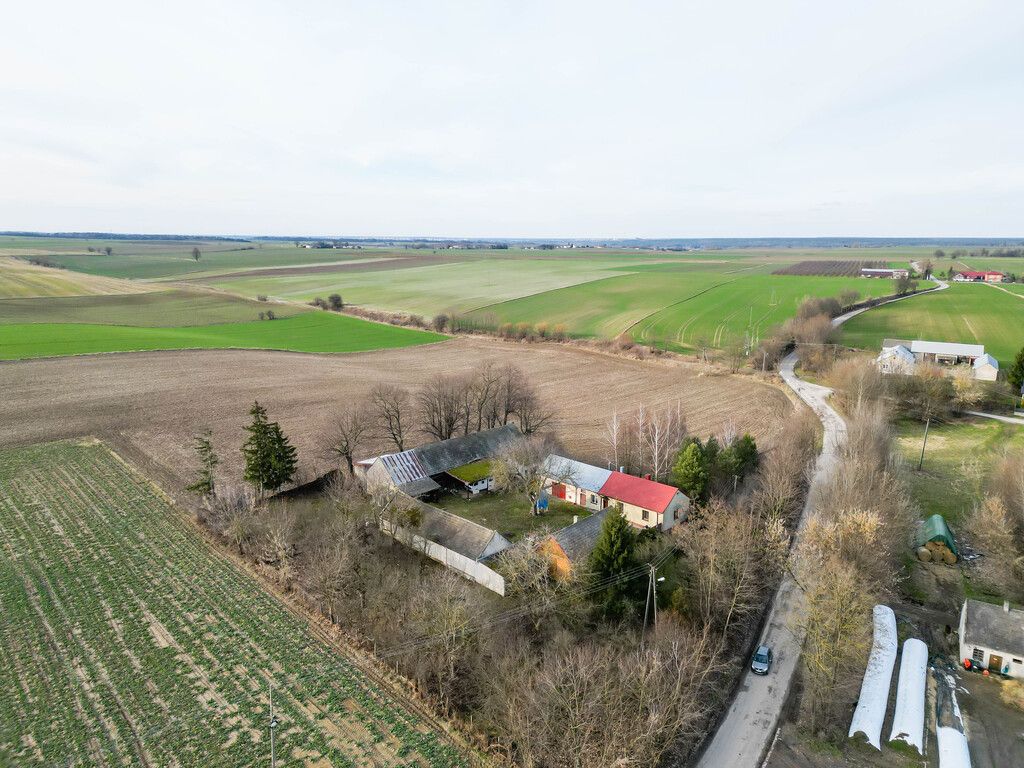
(979, 277)
(646, 503)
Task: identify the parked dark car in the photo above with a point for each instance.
(762, 660)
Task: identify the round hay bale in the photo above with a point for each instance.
(949, 558)
(933, 545)
(924, 554)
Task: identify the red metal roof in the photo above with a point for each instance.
(980, 274)
(638, 492)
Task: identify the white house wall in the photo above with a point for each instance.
(471, 569)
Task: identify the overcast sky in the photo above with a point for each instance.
(533, 119)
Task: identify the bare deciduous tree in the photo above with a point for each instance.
(350, 432)
(391, 405)
(520, 467)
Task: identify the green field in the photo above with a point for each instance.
(156, 308)
(971, 314)
(320, 332)
(458, 286)
(673, 299)
(676, 305)
(958, 460)
(127, 640)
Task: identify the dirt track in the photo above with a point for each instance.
(148, 404)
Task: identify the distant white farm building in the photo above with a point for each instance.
(899, 356)
(885, 273)
(992, 637)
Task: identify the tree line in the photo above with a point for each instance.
(444, 406)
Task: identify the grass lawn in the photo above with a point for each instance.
(154, 309)
(509, 514)
(322, 332)
(972, 314)
(957, 463)
(126, 639)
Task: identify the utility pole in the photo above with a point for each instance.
(647, 598)
(924, 442)
(654, 588)
(273, 726)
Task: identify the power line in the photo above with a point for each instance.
(526, 609)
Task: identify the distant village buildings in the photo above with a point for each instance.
(888, 274)
(979, 277)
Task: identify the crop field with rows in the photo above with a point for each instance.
(125, 639)
(830, 268)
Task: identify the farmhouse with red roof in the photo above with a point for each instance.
(645, 503)
(979, 277)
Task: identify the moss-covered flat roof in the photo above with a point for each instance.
(473, 472)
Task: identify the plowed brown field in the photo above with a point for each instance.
(150, 403)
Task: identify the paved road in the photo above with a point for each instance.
(998, 417)
(744, 734)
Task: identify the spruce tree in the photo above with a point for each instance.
(282, 457)
(690, 473)
(613, 554)
(256, 449)
(208, 461)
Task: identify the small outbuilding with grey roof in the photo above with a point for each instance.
(992, 637)
(570, 547)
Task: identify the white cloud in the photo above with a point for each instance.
(514, 118)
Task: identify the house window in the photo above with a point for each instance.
(978, 656)
(645, 515)
(593, 499)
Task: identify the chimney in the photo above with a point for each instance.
(647, 476)
(575, 519)
(1006, 606)
(622, 470)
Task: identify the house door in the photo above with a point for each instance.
(558, 490)
(995, 663)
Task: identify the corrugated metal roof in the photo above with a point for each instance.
(898, 351)
(586, 476)
(411, 470)
(947, 348)
(639, 492)
(403, 467)
(436, 458)
(986, 359)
